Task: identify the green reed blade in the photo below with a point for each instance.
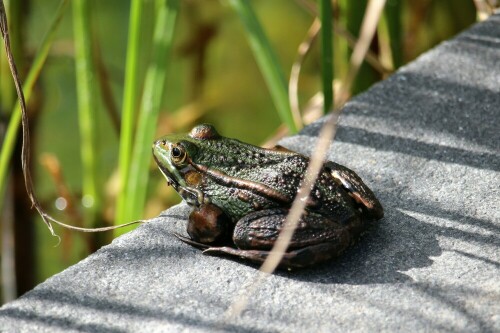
(86, 108)
(266, 60)
(392, 17)
(129, 107)
(325, 13)
(150, 106)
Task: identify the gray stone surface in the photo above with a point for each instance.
(426, 140)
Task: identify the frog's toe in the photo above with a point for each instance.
(257, 256)
(191, 242)
(299, 258)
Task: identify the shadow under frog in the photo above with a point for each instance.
(391, 246)
(396, 244)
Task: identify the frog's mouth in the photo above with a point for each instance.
(170, 180)
(190, 195)
(168, 174)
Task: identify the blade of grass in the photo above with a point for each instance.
(86, 108)
(8, 262)
(266, 60)
(34, 73)
(129, 107)
(150, 106)
(325, 13)
(392, 19)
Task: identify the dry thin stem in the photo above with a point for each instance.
(51, 164)
(25, 153)
(293, 84)
(280, 246)
(368, 28)
(370, 56)
(483, 8)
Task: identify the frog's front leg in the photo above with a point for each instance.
(316, 238)
(207, 224)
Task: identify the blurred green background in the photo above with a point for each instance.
(211, 76)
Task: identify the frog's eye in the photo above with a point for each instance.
(178, 154)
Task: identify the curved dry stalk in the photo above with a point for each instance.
(103, 79)
(25, 152)
(51, 164)
(293, 83)
(325, 137)
(372, 16)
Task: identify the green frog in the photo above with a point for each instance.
(241, 195)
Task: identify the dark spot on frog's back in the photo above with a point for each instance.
(204, 132)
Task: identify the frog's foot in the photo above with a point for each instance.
(298, 258)
(191, 242)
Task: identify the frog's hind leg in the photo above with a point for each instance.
(299, 258)
(316, 238)
(358, 190)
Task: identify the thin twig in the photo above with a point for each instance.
(25, 153)
(368, 27)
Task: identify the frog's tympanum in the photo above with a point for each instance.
(241, 195)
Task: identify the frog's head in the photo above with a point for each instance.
(174, 155)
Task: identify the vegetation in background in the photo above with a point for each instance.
(167, 64)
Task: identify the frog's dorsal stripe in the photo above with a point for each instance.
(249, 185)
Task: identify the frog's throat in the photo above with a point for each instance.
(230, 181)
(192, 196)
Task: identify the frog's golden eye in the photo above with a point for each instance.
(178, 154)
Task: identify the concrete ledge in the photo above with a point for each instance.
(426, 140)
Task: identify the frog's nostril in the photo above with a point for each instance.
(160, 143)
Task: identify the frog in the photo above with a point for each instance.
(240, 195)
